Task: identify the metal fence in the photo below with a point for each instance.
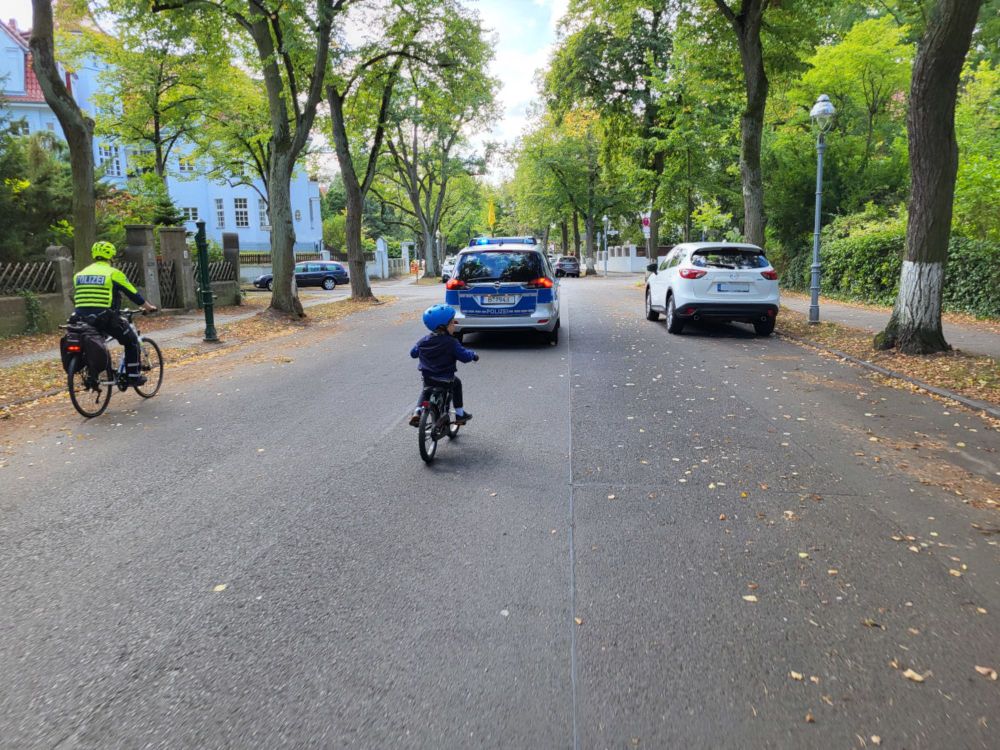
(39, 277)
(264, 259)
(221, 270)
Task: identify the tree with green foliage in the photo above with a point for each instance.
(977, 130)
(36, 194)
(291, 41)
(233, 140)
(77, 127)
(439, 107)
(569, 155)
(612, 61)
(945, 28)
(150, 94)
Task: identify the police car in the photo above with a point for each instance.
(504, 284)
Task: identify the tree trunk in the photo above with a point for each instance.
(576, 234)
(356, 263)
(545, 240)
(589, 228)
(430, 254)
(654, 232)
(564, 230)
(915, 325)
(284, 297)
(747, 26)
(77, 127)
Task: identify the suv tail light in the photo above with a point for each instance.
(456, 284)
(541, 283)
(692, 273)
(771, 275)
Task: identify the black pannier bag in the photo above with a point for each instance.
(84, 340)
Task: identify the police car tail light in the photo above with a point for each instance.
(770, 275)
(456, 284)
(541, 283)
(691, 273)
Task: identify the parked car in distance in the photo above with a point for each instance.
(448, 267)
(324, 273)
(721, 281)
(568, 265)
(504, 284)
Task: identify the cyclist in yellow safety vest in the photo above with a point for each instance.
(97, 291)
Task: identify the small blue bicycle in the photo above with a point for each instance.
(436, 421)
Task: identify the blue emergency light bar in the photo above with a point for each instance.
(502, 241)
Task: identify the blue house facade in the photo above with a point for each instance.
(223, 208)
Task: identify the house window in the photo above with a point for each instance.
(185, 165)
(298, 215)
(110, 160)
(265, 221)
(242, 212)
(190, 214)
(220, 213)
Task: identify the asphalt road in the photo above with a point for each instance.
(257, 557)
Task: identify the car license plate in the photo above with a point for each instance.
(500, 299)
(733, 287)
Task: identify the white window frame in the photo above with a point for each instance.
(190, 213)
(110, 157)
(220, 213)
(241, 210)
(262, 216)
(185, 164)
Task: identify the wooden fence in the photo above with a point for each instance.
(38, 277)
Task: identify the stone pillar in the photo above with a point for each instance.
(382, 258)
(139, 248)
(231, 252)
(62, 257)
(173, 248)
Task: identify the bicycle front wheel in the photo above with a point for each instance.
(151, 365)
(89, 396)
(428, 433)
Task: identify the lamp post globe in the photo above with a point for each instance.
(822, 116)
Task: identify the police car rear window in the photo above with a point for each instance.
(500, 266)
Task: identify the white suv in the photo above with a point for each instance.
(713, 280)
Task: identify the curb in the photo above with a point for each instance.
(983, 406)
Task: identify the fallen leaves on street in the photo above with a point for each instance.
(973, 376)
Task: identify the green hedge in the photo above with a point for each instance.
(865, 266)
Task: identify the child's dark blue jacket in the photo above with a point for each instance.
(438, 353)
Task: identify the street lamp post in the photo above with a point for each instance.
(822, 115)
(607, 225)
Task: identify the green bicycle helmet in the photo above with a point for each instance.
(103, 249)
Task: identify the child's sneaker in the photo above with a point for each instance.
(463, 419)
(415, 419)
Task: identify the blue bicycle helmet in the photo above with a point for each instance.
(437, 316)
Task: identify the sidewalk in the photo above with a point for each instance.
(970, 338)
(188, 324)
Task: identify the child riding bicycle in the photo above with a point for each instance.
(438, 352)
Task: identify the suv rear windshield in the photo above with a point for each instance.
(500, 265)
(729, 257)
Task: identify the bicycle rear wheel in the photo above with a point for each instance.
(428, 433)
(88, 395)
(151, 365)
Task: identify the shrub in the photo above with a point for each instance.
(972, 277)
